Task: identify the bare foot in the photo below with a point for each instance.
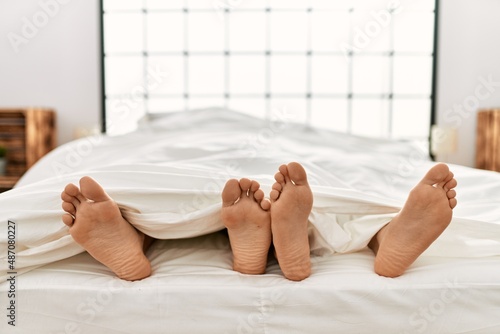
(291, 200)
(96, 223)
(425, 215)
(245, 213)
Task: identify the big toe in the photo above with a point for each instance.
(297, 173)
(231, 192)
(93, 190)
(437, 174)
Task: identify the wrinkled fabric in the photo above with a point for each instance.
(168, 175)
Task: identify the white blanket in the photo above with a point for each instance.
(167, 177)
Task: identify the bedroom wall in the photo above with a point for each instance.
(49, 52)
(469, 58)
(59, 66)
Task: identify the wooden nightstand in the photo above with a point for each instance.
(7, 182)
(28, 134)
(488, 139)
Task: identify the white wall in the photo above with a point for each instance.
(59, 66)
(469, 49)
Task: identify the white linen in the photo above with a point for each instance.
(169, 174)
(167, 177)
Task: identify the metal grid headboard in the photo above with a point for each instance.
(359, 67)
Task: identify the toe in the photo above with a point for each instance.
(451, 193)
(68, 198)
(450, 184)
(73, 194)
(68, 219)
(254, 186)
(265, 204)
(245, 185)
(71, 190)
(297, 173)
(277, 187)
(436, 175)
(284, 170)
(453, 202)
(259, 197)
(69, 208)
(92, 190)
(448, 178)
(231, 192)
(279, 178)
(274, 195)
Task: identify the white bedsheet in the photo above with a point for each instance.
(168, 176)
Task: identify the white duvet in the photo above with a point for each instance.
(167, 177)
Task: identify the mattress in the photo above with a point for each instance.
(181, 161)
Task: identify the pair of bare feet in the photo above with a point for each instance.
(253, 223)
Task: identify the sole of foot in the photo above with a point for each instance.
(425, 215)
(96, 223)
(291, 204)
(245, 213)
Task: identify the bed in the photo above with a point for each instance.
(167, 176)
